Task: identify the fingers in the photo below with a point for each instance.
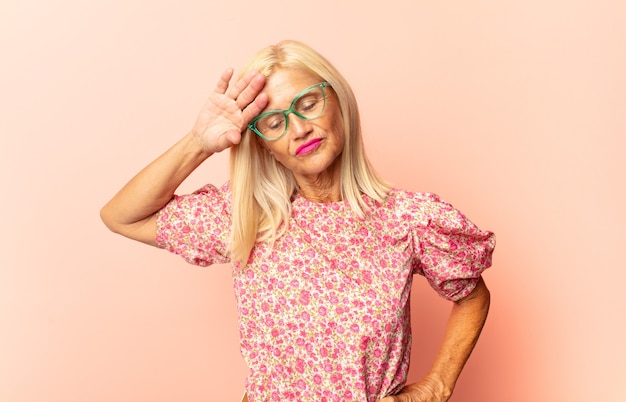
(250, 100)
(254, 108)
(252, 84)
(245, 91)
(222, 84)
(244, 83)
(240, 101)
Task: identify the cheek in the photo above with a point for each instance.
(267, 146)
(339, 131)
(277, 149)
(336, 124)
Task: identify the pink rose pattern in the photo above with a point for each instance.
(324, 315)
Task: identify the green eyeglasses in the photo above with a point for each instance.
(309, 104)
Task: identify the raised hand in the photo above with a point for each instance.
(228, 110)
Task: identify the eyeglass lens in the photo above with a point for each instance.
(309, 105)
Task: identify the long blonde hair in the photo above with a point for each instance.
(262, 188)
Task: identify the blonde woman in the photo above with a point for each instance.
(323, 250)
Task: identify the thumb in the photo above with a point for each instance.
(227, 139)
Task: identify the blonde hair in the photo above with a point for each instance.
(262, 188)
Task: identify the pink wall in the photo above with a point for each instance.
(512, 110)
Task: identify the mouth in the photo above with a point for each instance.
(308, 147)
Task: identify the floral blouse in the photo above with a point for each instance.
(324, 315)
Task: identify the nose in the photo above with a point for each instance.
(298, 127)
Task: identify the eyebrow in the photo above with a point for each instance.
(293, 98)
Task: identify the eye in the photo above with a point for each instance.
(274, 122)
(308, 103)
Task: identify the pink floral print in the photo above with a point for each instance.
(324, 315)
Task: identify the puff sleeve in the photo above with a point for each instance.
(451, 251)
(197, 226)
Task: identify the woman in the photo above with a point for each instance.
(323, 250)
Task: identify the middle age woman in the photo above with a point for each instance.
(323, 250)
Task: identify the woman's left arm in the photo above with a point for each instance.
(465, 323)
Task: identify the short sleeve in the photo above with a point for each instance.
(451, 252)
(197, 226)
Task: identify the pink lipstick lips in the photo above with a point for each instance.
(308, 147)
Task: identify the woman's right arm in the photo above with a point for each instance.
(132, 211)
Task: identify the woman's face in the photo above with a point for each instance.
(309, 147)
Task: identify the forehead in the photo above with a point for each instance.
(282, 86)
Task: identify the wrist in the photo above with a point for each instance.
(194, 147)
(442, 385)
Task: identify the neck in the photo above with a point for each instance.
(322, 188)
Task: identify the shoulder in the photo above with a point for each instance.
(223, 191)
(412, 201)
(421, 208)
(402, 195)
(208, 197)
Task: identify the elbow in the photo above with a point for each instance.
(480, 296)
(482, 292)
(485, 294)
(107, 218)
(143, 230)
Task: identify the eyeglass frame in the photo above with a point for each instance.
(287, 112)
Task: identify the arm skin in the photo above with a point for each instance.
(132, 211)
(464, 325)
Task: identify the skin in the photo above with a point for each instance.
(463, 328)
(229, 108)
(131, 212)
(317, 172)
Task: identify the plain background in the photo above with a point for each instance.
(514, 111)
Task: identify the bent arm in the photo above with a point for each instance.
(464, 326)
(132, 211)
